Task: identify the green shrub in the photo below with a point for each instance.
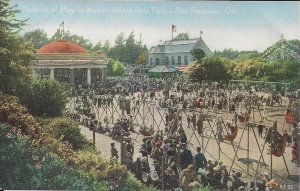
(86, 170)
(15, 114)
(48, 98)
(203, 188)
(115, 68)
(133, 184)
(214, 69)
(25, 167)
(66, 130)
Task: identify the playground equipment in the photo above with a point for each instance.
(149, 113)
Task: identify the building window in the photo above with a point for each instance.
(173, 60)
(167, 60)
(179, 60)
(151, 61)
(186, 60)
(157, 61)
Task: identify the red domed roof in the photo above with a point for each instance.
(61, 47)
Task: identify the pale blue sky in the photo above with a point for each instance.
(237, 25)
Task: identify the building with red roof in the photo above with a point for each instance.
(63, 60)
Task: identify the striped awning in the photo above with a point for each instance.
(181, 68)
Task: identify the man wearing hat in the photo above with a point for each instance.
(171, 179)
(183, 137)
(237, 182)
(113, 151)
(130, 148)
(186, 157)
(157, 153)
(225, 176)
(217, 176)
(200, 160)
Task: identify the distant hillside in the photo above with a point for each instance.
(283, 50)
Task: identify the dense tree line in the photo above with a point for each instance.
(279, 62)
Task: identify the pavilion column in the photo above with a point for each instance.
(88, 76)
(72, 76)
(52, 73)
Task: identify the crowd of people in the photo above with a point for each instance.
(164, 155)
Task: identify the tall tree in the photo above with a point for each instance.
(142, 59)
(15, 54)
(80, 40)
(182, 36)
(97, 47)
(250, 69)
(37, 37)
(227, 53)
(106, 47)
(199, 54)
(126, 50)
(131, 49)
(117, 52)
(120, 40)
(115, 68)
(209, 69)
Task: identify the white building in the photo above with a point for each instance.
(176, 52)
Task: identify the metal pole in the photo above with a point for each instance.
(219, 149)
(94, 137)
(144, 111)
(271, 152)
(202, 140)
(261, 156)
(112, 111)
(285, 165)
(163, 173)
(153, 118)
(105, 109)
(248, 148)
(259, 149)
(98, 112)
(121, 149)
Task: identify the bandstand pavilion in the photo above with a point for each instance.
(66, 61)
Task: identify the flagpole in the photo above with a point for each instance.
(173, 30)
(63, 28)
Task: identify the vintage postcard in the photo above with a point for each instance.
(149, 95)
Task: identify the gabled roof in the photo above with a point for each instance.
(177, 46)
(162, 69)
(152, 49)
(200, 44)
(180, 42)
